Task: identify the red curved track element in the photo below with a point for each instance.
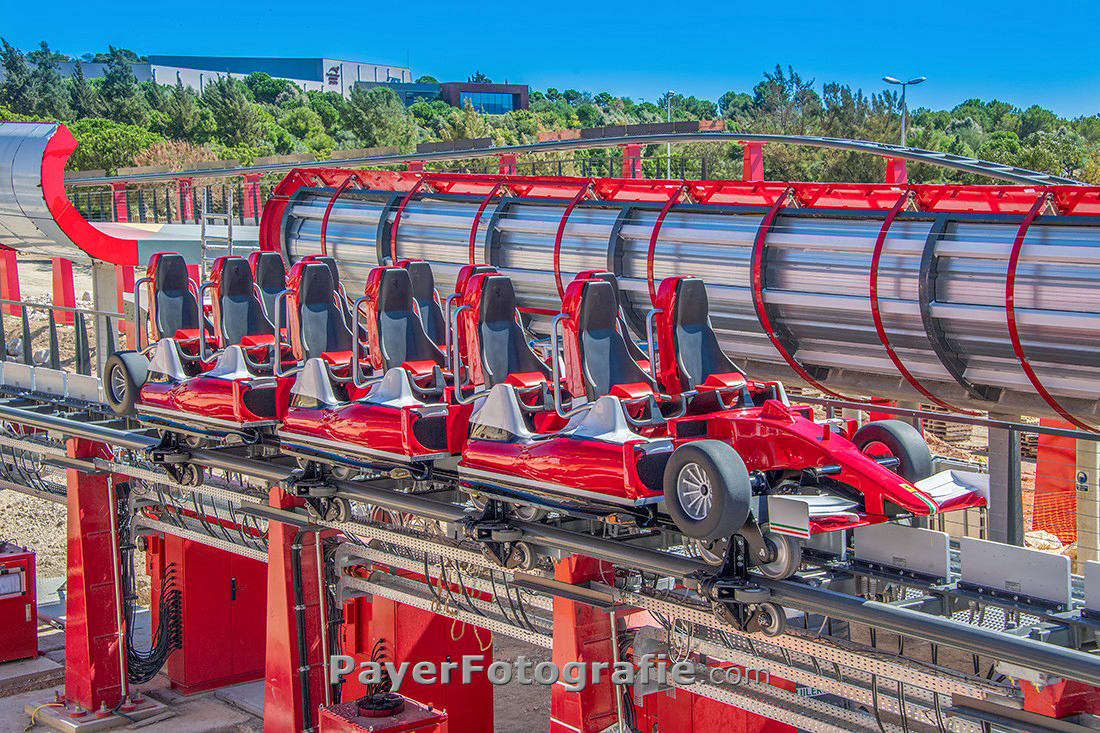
(876, 314)
(477, 218)
(653, 241)
(761, 308)
(1010, 313)
(397, 218)
(328, 210)
(94, 243)
(561, 232)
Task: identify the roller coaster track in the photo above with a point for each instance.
(962, 163)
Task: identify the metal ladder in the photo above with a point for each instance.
(207, 217)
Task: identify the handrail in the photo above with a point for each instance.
(1010, 314)
(876, 311)
(561, 233)
(650, 256)
(555, 372)
(915, 155)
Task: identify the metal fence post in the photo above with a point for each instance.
(1006, 512)
(1088, 503)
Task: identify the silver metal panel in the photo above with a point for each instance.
(911, 549)
(817, 281)
(20, 376)
(1011, 569)
(49, 381)
(1091, 571)
(86, 388)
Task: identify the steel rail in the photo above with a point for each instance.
(1028, 653)
(915, 155)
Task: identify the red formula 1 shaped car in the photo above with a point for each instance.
(710, 453)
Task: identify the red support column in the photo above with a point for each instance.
(507, 163)
(124, 285)
(415, 166)
(9, 280)
(896, 171)
(582, 634)
(119, 202)
(64, 293)
(286, 707)
(632, 161)
(93, 655)
(251, 204)
(754, 162)
(185, 199)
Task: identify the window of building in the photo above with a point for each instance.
(488, 102)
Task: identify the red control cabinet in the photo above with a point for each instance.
(18, 605)
(224, 606)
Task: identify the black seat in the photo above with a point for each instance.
(334, 273)
(423, 291)
(605, 356)
(504, 346)
(400, 332)
(322, 328)
(635, 352)
(174, 304)
(697, 351)
(240, 311)
(270, 277)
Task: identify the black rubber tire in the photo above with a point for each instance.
(904, 441)
(727, 483)
(132, 370)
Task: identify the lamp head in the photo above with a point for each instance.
(891, 80)
(918, 80)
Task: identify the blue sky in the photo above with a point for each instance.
(1021, 52)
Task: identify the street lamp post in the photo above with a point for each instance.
(904, 109)
(668, 146)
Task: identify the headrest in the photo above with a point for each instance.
(268, 269)
(498, 298)
(330, 263)
(467, 274)
(395, 290)
(170, 272)
(692, 305)
(601, 275)
(423, 281)
(599, 307)
(234, 277)
(315, 284)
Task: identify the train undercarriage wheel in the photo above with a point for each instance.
(712, 552)
(707, 490)
(788, 556)
(123, 375)
(900, 440)
(772, 619)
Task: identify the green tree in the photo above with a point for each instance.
(478, 78)
(51, 98)
(266, 89)
(187, 120)
(378, 119)
(83, 98)
(426, 80)
(108, 144)
(120, 92)
(17, 91)
(237, 121)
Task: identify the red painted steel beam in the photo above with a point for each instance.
(582, 633)
(64, 293)
(672, 200)
(120, 202)
(286, 707)
(1010, 314)
(184, 187)
(876, 311)
(561, 233)
(9, 280)
(759, 247)
(94, 658)
(477, 219)
(328, 210)
(397, 217)
(753, 167)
